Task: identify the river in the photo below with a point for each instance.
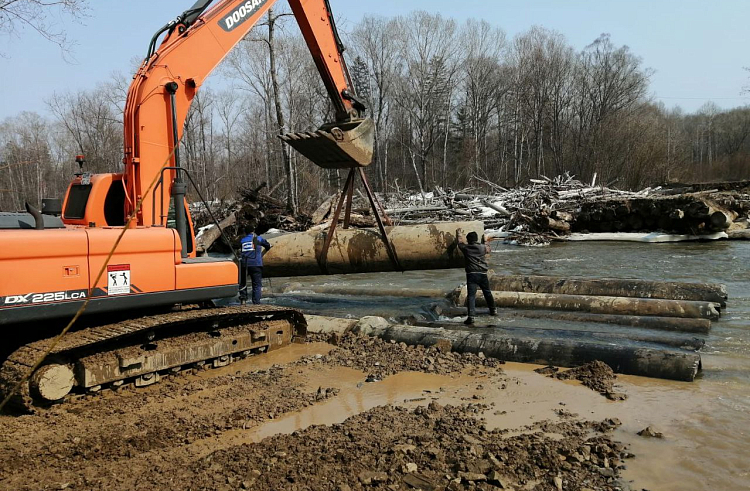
(706, 423)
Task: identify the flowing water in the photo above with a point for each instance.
(706, 423)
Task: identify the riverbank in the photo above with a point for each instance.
(391, 415)
(705, 422)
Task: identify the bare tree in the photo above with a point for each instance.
(94, 125)
(449, 104)
(430, 65)
(482, 85)
(41, 16)
(375, 40)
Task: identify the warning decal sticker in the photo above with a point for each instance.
(118, 279)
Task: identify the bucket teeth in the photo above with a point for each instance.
(344, 146)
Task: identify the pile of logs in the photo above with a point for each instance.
(549, 209)
(606, 296)
(696, 214)
(253, 207)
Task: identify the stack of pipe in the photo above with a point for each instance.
(606, 296)
(527, 346)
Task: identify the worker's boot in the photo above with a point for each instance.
(493, 312)
(469, 321)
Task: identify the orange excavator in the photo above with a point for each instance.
(54, 260)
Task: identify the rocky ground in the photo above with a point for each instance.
(194, 431)
(382, 358)
(429, 448)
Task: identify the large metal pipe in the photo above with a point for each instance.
(364, 291)
(429, 246)
(673, 324)
(579, 332)
(600, 304)
(612, 287)
(663, 363)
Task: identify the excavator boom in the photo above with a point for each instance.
(193, 45)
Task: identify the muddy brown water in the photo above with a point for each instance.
(706, 423)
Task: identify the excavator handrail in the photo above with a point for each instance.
(160, 184)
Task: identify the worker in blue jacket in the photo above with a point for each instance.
(251, 257)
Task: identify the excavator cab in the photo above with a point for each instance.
(337, 145)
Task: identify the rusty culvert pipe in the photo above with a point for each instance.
(429, 246)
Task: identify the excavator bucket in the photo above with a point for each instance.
(336, 146)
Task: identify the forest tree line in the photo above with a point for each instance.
(454, 105)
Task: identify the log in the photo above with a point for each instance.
(671, 324)
(600, 304)
(551, 223)
(324, 209)
(565, 216)
(707, 292)
(463, 197)
(698, 210)
(651, 238)
(415, 209)
(675, 341)
(721, 220)
(501, 210)
(634, 359)
(357, 220)
(204, 240)
(739, 234)
(429, 246)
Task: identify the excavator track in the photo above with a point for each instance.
(141, 351)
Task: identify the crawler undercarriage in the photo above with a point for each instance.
(141, 351)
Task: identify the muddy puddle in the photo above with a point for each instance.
(518, 398)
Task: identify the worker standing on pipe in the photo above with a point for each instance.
(252, 262)
(475, 254)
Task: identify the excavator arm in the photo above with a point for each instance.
(169, 78)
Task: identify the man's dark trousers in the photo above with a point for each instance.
(255, 273)
(474, 281)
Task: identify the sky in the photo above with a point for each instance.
(697, 48)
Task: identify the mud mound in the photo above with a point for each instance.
(429, 448)
(381, 358)
(596, 375)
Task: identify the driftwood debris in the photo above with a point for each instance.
(253, 206)
(545, 210)
(211, 233)
(550, 209)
